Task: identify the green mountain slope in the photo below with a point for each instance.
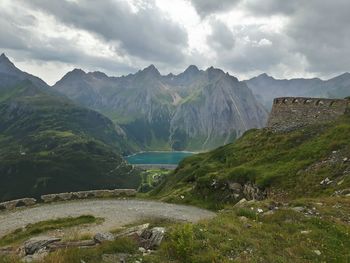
(48, 144)
(277, 165)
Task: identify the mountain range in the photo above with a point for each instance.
(195, 110)
(266, 88)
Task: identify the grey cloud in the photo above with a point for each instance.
(221, 36)
(146, 34)
(320, 31)
(207, 7)
(273, 7)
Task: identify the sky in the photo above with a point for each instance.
(285, 39)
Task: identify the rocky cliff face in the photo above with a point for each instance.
(195, 110)
(216, 113)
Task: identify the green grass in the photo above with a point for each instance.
(279, 237)
(31, 230)
(290, 163)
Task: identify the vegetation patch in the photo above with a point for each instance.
(31, 230)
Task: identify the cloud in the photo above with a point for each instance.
(145, 33)
(221, 36)
(207, 7)
(245, 37)
(320, 30)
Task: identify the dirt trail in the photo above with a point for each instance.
(115, 212)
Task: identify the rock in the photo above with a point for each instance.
(136, 230)
(243, 219)
(152, 238)
(236, 187)
(340, 182)
(251, 191)
(299, 209)
(268, 213)
(102, 237)
(242, 201)
(17, 203)
(259, 210)
(326, 181)
(345, 159)
(305, 232)
(248, 225)
(69, 244)
(317, 252)
(142, 250)
(35, 244)
(37, 256)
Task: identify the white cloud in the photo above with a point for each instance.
(244, 37)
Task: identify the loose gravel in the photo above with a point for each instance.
(115, 212)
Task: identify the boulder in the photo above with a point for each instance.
(252, 191)
(102, 237)
(133, 231)
(35, 244)
(152, 238)
(241, 202)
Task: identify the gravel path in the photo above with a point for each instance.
(115, 212)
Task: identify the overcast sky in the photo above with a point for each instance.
(286, 39)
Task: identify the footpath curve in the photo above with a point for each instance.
(115, 212)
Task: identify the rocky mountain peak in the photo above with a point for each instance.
(151, 70)
(214, 73)
(6, 66)
(192, 69)
(98, 74)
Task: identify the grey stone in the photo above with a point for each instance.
(136, 230)
(152, 238)
(241, 202)
(236, 187)
(298, 209)
(35, 244)
(102, 237)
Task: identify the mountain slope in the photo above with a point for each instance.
(266, 88)
(216, 113)
(162, 112)
(280, 165)
(49, 144)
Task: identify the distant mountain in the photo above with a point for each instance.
(49, 144)
(194, 110)
(266, 88)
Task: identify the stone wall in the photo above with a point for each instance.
(292, 112)
(88, 194)
(17, 203)
(9, 205)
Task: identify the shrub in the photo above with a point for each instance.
(181, 242)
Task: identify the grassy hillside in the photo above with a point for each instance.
(48, 144)
(287, 165)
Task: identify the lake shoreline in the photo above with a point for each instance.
(126, 156)
(158, 157)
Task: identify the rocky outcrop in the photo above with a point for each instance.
(88, 194)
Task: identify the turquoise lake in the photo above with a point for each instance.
(157, 157)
